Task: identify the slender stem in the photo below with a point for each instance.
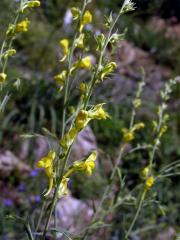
(137, 214)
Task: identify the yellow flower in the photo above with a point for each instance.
(22, 26)
(64, 43)
(61, 77)
(85, 63)
(149, 182)
(137, 103)
(75, 13)
(107, 69)
(47, 164)
(86, 19)
(138, 126)
(63, 190)
(82, 120)
(79, 42)
(9, 53)
(30, 4)
(3, 77)
(34, 3)
(145, 172)
(98, 112)
(68, 138)
(128, 135)
(88, 165)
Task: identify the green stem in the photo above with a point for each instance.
(137, 214)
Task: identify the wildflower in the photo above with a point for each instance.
(145, 172)
(64, 43)
(63, 188)
(22, 26)
(8, 202)
(86, 19)
(83, 88)
(3, 77)
(47, 164)
(85, 63)
(88, 165)
(137, 103)
(75, 13)
(68, 138)
(138, 126)
(149, 182)
(61, 77)
(128, 135)
(82, 119)
(30, 4)
(79, 42)
(128, 6)
(100, 39)
(9, 53)
(107, 69)
(98, 112)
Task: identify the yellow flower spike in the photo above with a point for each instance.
(98, 112)
(128, 135)
(85, 63)
(79, 42)
(64, 43)
(63, 189)
(47, 164)
(109, 68)
(149, 182)
(75, 13)
(22, 26)
(82, 120)
(61, 77)
(86, 19)
(3, 77)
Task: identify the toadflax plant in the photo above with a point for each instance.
(56, 164)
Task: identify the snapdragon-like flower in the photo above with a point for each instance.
(47, 164)
(129, 134)
(9, 53)
(98, 112)
(149, 182)
(64, 43)
(22, 26)
(85, 63)
(107, 69)
(81, 121)
(88, 165)
(63, 189)
(86, 19)
(30, 4)
(3, 77)
(79, 42)
(75, 13)
(61, 77)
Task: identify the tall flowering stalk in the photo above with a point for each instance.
(19, 25)
(59, 168)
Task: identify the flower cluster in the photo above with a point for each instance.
(81, 121)
(13, 30)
